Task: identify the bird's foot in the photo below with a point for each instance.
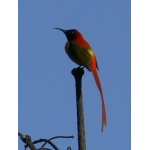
(81, 67)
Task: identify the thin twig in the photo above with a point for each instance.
(55, 137)
(52, 144)
(46, 141)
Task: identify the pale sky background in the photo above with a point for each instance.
(46, 87)
(9, 77)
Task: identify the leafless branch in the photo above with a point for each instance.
(46, 141)
(28, 142)
(61, 137)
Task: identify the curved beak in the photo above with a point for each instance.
(61, 29)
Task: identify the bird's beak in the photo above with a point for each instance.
(61, 30)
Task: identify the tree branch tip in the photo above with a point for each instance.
(79, 71)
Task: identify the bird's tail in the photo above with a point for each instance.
(97, 80)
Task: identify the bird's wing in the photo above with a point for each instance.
(79, 54)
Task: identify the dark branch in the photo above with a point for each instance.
(46, 141)
(55, 137)
(78, 73)
(49, 141)
(28, 142)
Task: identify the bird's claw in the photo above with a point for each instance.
(81, 67)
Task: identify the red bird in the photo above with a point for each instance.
(80, 52)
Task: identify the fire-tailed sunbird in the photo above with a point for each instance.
(80, 52)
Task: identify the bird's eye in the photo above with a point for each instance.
(72, 32)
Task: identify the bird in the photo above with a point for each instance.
(81, 53)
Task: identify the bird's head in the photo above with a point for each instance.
(70, 34)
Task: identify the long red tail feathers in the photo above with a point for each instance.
(97, 80)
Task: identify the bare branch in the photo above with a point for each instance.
(27, 140)
(78, 73)
(46, 141)
(61, 137)
(49, 141)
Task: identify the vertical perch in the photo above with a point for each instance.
(78, 73)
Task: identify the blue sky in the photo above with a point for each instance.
(46, 87)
